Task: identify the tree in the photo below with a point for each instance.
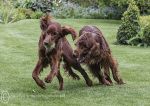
(130, 25)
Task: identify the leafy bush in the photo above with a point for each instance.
(130, 26)
(36, 15)
(70, 10)
(120, 5)
(37, 5)
(26, 12)
(146, 33)
(65, 10)
(143, 38)
(23, 3)
(7, 12)
(90, 13)
(112, 12)
(103, 9)
(20, 15)
(144, 20)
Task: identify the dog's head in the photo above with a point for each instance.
(51, 36)
(85, 45)
(52, 32)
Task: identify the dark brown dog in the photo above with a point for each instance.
(52, 47)
(93, 50)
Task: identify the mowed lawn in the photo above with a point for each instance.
(18, 56)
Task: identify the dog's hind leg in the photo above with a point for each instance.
(95, 69)
(69, 58)
(115, 72)
(78, 67)
(60, 79)
(67, 67)
(35, 74)
(107, 74)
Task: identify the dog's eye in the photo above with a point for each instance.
(55, 33)
(81, 47)
(48, 32)
(84, 46)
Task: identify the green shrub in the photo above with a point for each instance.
(70, 10)
(36, 15)
(26, 12)
(130, 25)
(136, 40)
(19, 15)
(37, 5)
(146, 35)
(23, 3)
(144, 20)
(143, 38)
(7, 12)
(29, 14)
(120, 5)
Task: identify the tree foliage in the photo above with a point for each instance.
(130, 26)
(144, 5)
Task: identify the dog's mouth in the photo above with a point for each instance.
(49, 48)
(82, 58)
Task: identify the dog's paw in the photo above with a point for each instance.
(42, 84)
(89, 83)
(61, 88)
(120, 82)
(48, 80)
(76, 77)
(105, 82)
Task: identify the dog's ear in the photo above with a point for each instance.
(103, 44)
(45, 21)
(89, 39)
(43, 25)
(68, 30)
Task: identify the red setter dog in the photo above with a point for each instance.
(53, 46)
(93, 50)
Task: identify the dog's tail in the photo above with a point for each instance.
(69, 30)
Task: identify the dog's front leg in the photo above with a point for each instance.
(35, 74)
(54, 69)
(60, 79)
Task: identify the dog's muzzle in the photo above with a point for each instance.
(49, 47)
(81, 60)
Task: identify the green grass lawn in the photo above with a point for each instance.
(18, 55)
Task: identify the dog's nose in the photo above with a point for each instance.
(75, 53)
(45, 43)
